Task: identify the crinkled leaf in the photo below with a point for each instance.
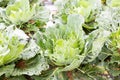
(42, 14)
(34, 66)
(83, 7)
(86, 6)
(109, 19)
(10, 47)
(97, 40)
(20, 11)
(7, 70)
(31, 50)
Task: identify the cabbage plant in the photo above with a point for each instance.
(11, 45)
(20, 11)
(63, 45)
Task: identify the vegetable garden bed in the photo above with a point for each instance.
(59, 40)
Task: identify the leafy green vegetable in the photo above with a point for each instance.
(79, 40)
(20, 11)
(64, 45)
(10, 48)
(83, 7)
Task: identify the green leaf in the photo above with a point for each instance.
(7, 70)
(115, 58)
(17, 78)
(20, 11)
(114, 38)
(93, 72)
(42, 13)
(10, 47)
(31, 50)
(75, 64)
(114, 69)
(3, 3)
(96, 41)
(108, 19)
(15, 47)
(34, 66)
(52, 74)
(113, 3)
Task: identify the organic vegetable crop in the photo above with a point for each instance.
(83, 42)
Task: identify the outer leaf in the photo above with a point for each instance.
(52, 74)
(30, 51)
(115, 58)
(75, 64)
(109, 19)
(7, 70)
(34, 66)
(113, 3)
(93, 72)
(83, 7)
(98, 38)
(76, 21)
(86, 6)
(42, 14)
(17, 78)
(10, 46)
(114, 69)
(13, 50)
